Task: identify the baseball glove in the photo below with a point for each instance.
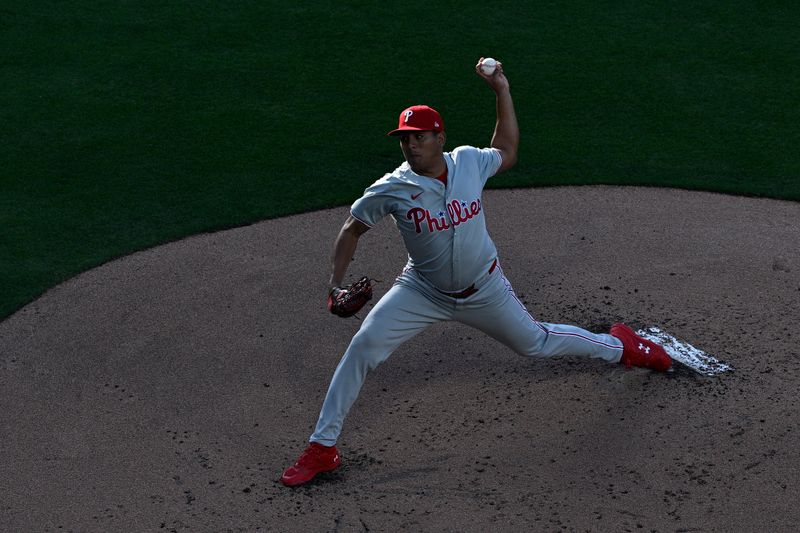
(347, 301)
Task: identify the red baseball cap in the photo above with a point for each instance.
(419, 118)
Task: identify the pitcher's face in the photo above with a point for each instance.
(422, 149)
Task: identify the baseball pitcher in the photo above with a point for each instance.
(453, 272)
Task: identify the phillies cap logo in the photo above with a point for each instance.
(408, 114)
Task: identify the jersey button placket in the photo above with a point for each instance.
(456, 251)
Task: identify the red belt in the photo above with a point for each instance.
(469, 291)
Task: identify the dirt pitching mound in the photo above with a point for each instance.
(169, 389)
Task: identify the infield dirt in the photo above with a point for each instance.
(169, 389)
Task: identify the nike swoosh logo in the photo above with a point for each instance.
(415, 196)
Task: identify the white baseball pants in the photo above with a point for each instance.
(413, 304)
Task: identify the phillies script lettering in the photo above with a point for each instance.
(459, 213)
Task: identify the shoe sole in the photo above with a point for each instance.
(303, 482)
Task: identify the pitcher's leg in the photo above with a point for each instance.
(506, 319)
(401, 313)
(563, 339)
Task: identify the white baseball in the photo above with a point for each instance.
(488, 65)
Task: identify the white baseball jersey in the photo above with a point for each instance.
(444, 228)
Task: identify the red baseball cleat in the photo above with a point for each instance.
(637, 351)
(314, 460)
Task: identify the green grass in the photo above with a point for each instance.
(128, 124)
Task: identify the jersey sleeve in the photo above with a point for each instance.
(489, 161)
(375, 204)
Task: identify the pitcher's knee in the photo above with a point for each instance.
(533, 347)
(367, 350)
(533, 351)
